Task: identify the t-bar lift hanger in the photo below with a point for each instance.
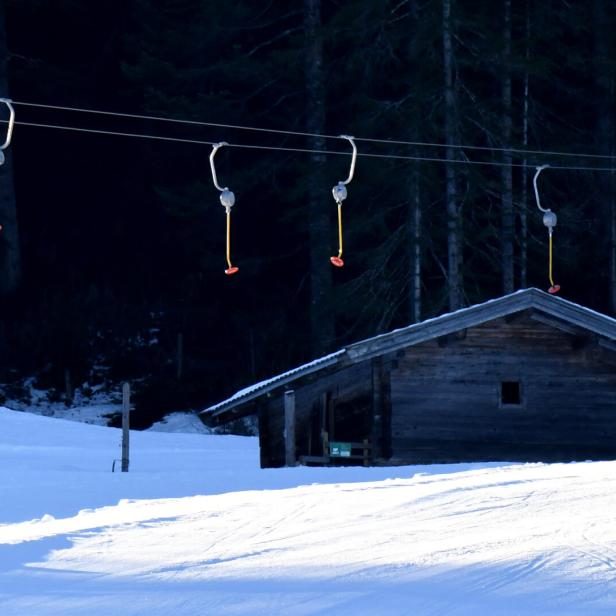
(227, 198)
(340, 194)
(549, 220)
(9, 130)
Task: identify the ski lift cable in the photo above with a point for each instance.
(246, 146)
(112, 133)
(316, 135)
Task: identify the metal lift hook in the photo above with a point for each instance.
(549, 217)
(227, 198)
(215, 149)
(539, 170)
(9, 130)
(353, 159)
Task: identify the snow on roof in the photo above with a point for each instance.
(448, 315)
(588, 311)
(491, 309)
(278, 379)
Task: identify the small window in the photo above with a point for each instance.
(510, 393)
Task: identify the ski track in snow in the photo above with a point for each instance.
(197, 528)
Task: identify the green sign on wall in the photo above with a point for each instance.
(340, 450)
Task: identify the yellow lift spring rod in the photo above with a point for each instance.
(231, 269)
(554, 286)
(340, 231)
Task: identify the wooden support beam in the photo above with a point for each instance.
(381, 407)
(323, 401)
(264, 435)
(331, 420)
(289, 428)
(386, 450)
(377, 405)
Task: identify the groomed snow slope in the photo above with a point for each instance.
(197, 528)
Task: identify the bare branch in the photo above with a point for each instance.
(273, 40)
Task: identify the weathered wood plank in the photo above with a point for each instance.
(377, 405)
(289, 427)
(449, 397)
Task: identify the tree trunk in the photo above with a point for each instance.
(612, 298)
(454, 249)
(10, 258)
(414, 245)
(605, 137)
(507, 219)
(524, 195)
(321, 319)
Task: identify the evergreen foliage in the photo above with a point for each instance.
(122, 237)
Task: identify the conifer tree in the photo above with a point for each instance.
(10, 253)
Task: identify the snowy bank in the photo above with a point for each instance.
(197, 528)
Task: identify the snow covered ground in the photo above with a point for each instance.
(197, 528)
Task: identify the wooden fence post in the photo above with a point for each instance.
(289, 427)
(180, 357)
(68, 387)
(125, 425)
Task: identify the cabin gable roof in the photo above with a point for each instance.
(562, 313)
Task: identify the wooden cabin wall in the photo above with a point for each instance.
(446, 396)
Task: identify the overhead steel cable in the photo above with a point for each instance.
(138, 116)
(247, 146)
(317, 135)
(110, 132)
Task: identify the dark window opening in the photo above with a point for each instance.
(510, 393)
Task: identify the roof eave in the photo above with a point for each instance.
(216, 413)
(577, 315)
(441, 326)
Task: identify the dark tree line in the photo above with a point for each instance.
(112, 249)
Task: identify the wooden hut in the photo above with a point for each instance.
(525, 377)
